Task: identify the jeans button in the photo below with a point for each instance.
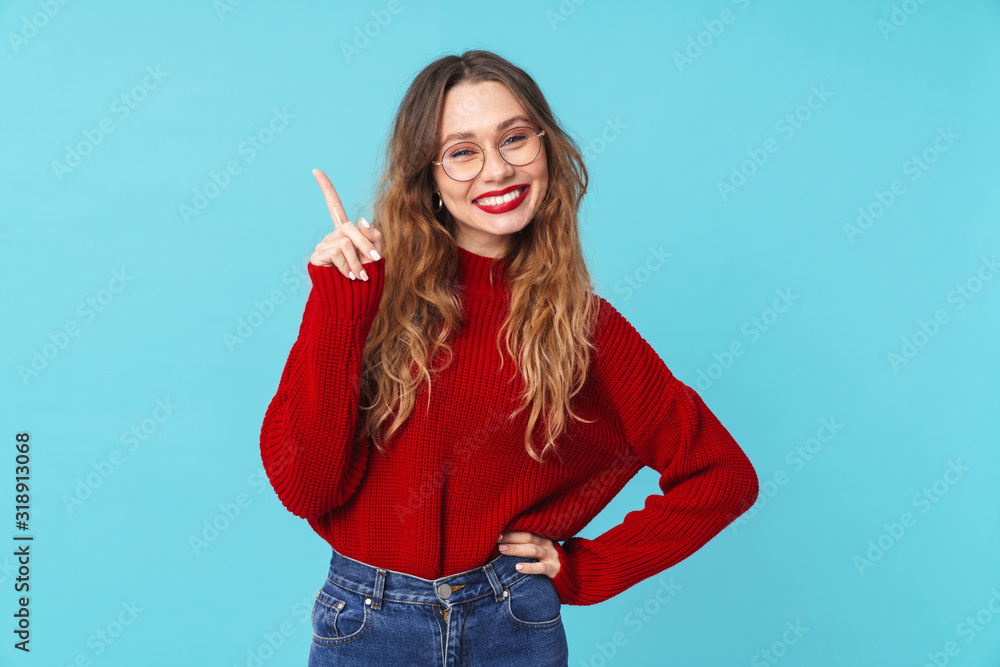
(444, 590)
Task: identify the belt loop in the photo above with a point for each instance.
(494, 581)
(379, 585)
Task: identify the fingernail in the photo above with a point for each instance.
(351, 274)
(375, 255)
(500, 538)
(366, 223)
(364, 276)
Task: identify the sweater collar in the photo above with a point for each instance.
(474, 273)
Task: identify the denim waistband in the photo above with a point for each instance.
(381, 584)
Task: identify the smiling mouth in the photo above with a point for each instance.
(497, 201)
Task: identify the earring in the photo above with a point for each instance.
(438, 206)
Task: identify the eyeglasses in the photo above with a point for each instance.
(464, 161)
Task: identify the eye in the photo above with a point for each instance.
(515, 138)
(463, 152)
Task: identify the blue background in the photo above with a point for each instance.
(661, 134)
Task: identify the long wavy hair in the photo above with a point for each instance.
(549, 323)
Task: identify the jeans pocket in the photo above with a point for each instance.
(339, 614)
(532, 602)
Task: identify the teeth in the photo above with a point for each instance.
(496, 201)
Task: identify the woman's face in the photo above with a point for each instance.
(488, 110)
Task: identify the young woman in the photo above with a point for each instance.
(456, 378)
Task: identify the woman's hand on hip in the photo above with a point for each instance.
(523, 543)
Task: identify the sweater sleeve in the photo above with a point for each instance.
(706, 479)
(306, 440)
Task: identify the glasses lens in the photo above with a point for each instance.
(520, 146)
(463, 161)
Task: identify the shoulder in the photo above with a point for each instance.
(620, 348)
(612, 329)
(628, 380)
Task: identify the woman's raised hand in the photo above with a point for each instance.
(348, 246)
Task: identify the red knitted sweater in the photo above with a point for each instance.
(457, 475)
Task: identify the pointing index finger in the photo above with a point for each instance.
(333, 203)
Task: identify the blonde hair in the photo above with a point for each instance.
(549, 324)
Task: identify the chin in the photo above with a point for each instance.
(505, 224)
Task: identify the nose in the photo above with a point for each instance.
(495, 168)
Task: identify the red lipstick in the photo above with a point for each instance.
(505, 207)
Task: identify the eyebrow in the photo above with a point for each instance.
(469, 135)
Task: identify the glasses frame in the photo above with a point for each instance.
(483, 151)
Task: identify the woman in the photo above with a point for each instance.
(471, 384)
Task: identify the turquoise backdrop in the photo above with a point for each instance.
(795, 203)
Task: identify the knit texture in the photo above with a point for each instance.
(457, 475)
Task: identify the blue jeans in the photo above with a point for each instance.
(491, 615)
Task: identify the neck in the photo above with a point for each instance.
(493, 251)
(475, 272)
